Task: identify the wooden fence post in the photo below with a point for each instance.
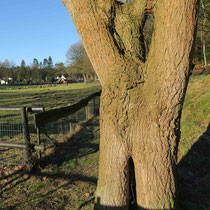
(94, 105)
(38, 141)
(26, 136)
(87, 110)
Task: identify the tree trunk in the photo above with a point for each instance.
(85, 78)
(203, 37)
(148, 135)
(141, 98)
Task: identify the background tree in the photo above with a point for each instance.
(35, 64)
(50, 74)
(44, 70)
(60, 69)
(14, 74)
(22, 74)
(36, 73)
(202, 51)
(79, 62)
(49, 63)
(45, 63)
(204, 26)
(142, 94)
(7, 69)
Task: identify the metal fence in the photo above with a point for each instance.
(15, 144)
(11, 130)
(57, 125)
(25, 134)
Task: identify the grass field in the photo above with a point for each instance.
(66, 178)
(49, 96)
(196, 112)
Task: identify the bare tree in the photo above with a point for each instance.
(142, 95)
(79, 61)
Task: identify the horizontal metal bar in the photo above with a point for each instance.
(13, 145)
(29, 109)
(36, 109)
(40, 147)
(10, 108)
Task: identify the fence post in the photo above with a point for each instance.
(94, 105)
(26, 136)
(38, 141)
(87, 110)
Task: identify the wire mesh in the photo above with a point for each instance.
(63, 128)
(11, 131)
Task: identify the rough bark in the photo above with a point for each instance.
(141, 98)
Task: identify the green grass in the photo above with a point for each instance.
(49, 96)
(196, 112)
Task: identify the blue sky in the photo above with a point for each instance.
(35, 29)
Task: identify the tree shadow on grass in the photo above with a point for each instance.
(77, 146)
(194, 175)
(14, 179)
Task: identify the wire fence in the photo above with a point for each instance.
(50, 133)
(11, 130)
(10, 126)
(25, 135)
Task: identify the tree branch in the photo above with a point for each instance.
(111, 32)
(129, 28)
(92, 26)
(169, 59)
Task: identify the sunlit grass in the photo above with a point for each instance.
(49, 96)
(196, 112)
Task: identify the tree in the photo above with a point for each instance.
(35, 64)
(6, 64)
(45, 63)
(60, 69)
(142, 96)
(79, 62)
(6, 69)
(36, 72)
(50, 62)
(202, 39)
(50, 74)
(204, 16)
(22, 74)
(47, 70)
